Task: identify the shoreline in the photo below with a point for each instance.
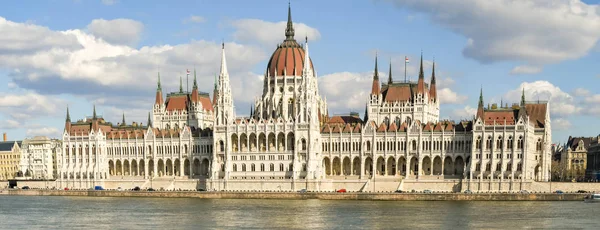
(307, 195)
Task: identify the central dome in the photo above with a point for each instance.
(288, 58)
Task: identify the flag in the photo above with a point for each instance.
(188, 71)
(406, 60)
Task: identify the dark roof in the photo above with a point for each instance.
(573, 142)
(6, 146)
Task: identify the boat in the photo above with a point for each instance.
(592, 198)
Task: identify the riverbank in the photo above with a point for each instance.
(308, 195)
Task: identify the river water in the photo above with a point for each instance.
(42, 212)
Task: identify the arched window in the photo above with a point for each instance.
(478, 143)
(281, 167)
(499, 143)
(414, 145)
(509, 143)
(488, 144)
(252, 168)
(221, 146)
(272, 167)
(262, 167)
(538, 145)
(303, 144)
(243, 167)
(234, 167)
(520, 143)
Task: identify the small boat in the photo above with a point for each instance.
(592, 198)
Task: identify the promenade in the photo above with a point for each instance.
(307, 195)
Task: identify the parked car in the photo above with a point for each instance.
(25, 187)
(66, 189)
(136, 188)
(302, 190)
(341, 190)
(151, 190)
(119, 189)
(427, 191)
(524, 192)
(201, 190)
(399, 191)
(468, 191)
(558, 192)
(582, 191)
(97, 187)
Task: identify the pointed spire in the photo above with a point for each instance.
(480, 98)
(289, 30)
(94, 114)
(223, 61)
(390, 74)
(123, 122)
(195, 82)
(376, 87)
(421, 74)
(180, 85)
(421, 81)
(158, 88)
(432, 86)
(68, 115)
(307, 66)
(149, 120)
(523, 97)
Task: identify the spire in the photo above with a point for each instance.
(421, 82)
(375, 89)
(94, 115)
(149, 120)
(180, 85)
(421, 74)
(390, 74)
(158, 88)
(289, 30)
(123, 122)
(307, 66)
(195, 82)
(68, 115)
(223, 61)
(432, 86)
(480, 110)
(523, 97)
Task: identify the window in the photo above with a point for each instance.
(488, 143)
(499, 142)
(252, 168)
(478, 143)
(520, 143)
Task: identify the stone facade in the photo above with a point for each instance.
(10, 156)
(290, 142)
(38, 158)
(592, 171)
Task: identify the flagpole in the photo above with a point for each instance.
(405, 69)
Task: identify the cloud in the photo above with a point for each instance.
(120, 31)
(561, 124)
(9, 124)
(561, 103)
(270, 33)
(51, 132)
(98, 69)
(346, 91)
(525, 69)
(467, 112)
(26, 105)
(581, 92)
(194, 19)
(25, 38)
(109, 2)
(536, 32)
(447, 96)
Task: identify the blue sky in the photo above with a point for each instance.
(80, 53)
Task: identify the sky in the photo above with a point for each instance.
(108, 53)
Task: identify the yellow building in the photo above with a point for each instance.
(10, 157)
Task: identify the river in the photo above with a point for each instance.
(42, 212)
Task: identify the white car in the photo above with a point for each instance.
(119, 189)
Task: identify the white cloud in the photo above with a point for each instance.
(26, 105)
(270, 33)
(25, 38)
(51, 132)
(561, 124)
(109, 2)
(593, 99)
(194, 19)
(120, 31)
(346, 91)
(525, 69)
(536, 32)
(561, 103)
(447, 96)
(9, 124)
(581, 92)
(467, 112)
